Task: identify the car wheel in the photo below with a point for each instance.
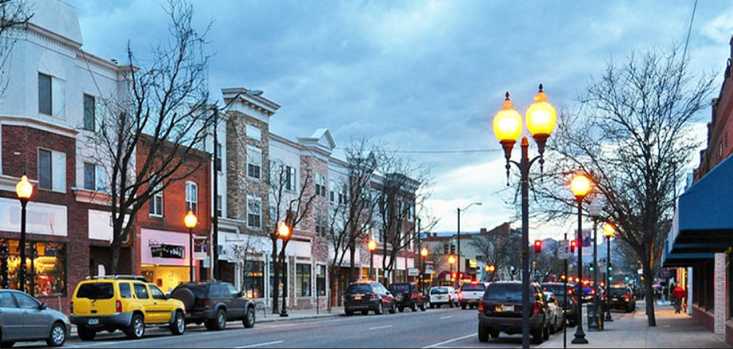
(7, 344)
(483, 334)
(57, 337)
(249, 318)
(365, 312)
(414, 307)
(432, 306)
(349, 312)
(422, 307)
(178, 326)
(402, 309)
(137, 327)
(393, 309)
(494, 334)
(380, 309)
(220, 320)
(463, 306)
(85, 333)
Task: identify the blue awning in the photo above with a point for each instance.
(703, 222)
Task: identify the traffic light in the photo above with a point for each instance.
(452, 249)
(537, 246)
(573, 245)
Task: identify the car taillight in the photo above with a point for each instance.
(71, 307)
(481, 307)
(118, 306)
(536, 309)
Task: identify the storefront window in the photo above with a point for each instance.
(321, 280)
(303, 279)
(279, 282)
(45, 267)
(254, 279)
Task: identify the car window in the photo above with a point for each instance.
(156, 292)
(25, 301)
(141, 292)
(439, 290)
(504, 292)
(359, 288)
(473, 287)
(6, 300)
(401, 288)
(231, 290)
(125, 291)
(96, 290)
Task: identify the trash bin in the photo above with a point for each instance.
(592, 316)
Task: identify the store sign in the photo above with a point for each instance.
(167, 251)
(413, 272)
(200, 248)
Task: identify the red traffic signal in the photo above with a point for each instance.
(537, 246)
(573, 245)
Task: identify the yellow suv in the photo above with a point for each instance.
(127, 303)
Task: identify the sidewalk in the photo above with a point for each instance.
(631, 331)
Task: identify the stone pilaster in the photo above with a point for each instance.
(720, 312)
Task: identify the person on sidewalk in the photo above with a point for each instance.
(679, 294)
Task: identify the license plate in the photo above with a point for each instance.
(357, 298)
(93, 322)
(507, 308)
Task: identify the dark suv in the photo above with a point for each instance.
(407, 295)
(500, 310)
(571, 310)
(621, 297)
(368, 295)
(214, 303)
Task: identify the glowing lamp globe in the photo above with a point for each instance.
(372, 245)
(451, 259)
(609, 230)
(581, 186)
(507, 122)
(190, 220)
(283, 231)
(424, 252)
(541, 116)
(24, 188)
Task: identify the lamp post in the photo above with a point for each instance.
(507, 124)
(595, 210)
(371, 246)
(490, 268)
(609, 231)
(581, 186)
(284, 233)
(458, 233)
(24, 190)
(451, 260)
(190, 221)
(423, 258)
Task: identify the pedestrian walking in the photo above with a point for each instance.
(680, 295)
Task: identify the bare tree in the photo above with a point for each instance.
(499, 247)
(14, 15)
(164, 110)
(632, 136)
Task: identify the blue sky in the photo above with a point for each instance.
(419, 75)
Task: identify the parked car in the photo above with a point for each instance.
(557, 315)
(442, 295)
(470, 294)
(558, 290)
(408, 295)
(368, 296)
(122, 302)
(24, 318)
(500, 310)
(214, 303)
(622, 297)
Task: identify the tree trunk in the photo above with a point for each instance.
(331, 286)
(648, 283)
(352, 255)
(285, 278)
(115, 255)
(276, 277)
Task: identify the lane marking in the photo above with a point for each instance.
(379, 327)
(450, 341)
(259, 345)
(446, 317)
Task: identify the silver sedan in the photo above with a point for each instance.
(24, 318)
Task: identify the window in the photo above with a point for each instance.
(44, 169)
(156, 292)
(253, 132)
(254, 212)
(7, 300)
(141, 292)
(321, 224)
(290, 178)
(254, 162)
(49, 277)
(89, 112)
(321, 280)
(90, 177)
(320, 185)
(125, 291)
(192, 197)
(254, 279)
(156, 203)
(218, 206)
(45, 101)
(218, 157)
(303, 279)
(283, 276)
(25, 301)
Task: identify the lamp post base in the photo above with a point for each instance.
(284, 313)
(579, 340)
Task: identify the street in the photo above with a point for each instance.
(442, 328)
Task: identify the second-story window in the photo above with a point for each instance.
(254, 162)
(51, 167)
(218, 157)
(45, 101)
(94, 177)
(192, 195)
(89, 112)
(320, 185)
(253, 132)
(290, 178)
(156, 203)
(254, 212)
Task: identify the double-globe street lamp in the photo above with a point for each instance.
(190, 221)
(609, 232)
(458, 234)
(580, 185)
(507, 124)
(24, 190)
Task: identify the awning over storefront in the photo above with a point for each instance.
(703, 222)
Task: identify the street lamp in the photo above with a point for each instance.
(507, 125)
(451, 260)
(580, 185)
(609, 231)
(490, 268)
(371, 246)
(283, 233)
(190, 221)
(423, 256)
(24, 190)
(595, 209)
(458, 233)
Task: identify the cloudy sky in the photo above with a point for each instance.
(419, 75)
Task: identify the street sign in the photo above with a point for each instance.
(200, 248)
(563, 249)
(413, 272)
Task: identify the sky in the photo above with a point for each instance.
(420, 76)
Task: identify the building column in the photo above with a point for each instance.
(720, 311)
(690, 283)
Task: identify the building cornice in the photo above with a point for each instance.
(29, 121)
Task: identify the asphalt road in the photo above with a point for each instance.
(440, 328)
